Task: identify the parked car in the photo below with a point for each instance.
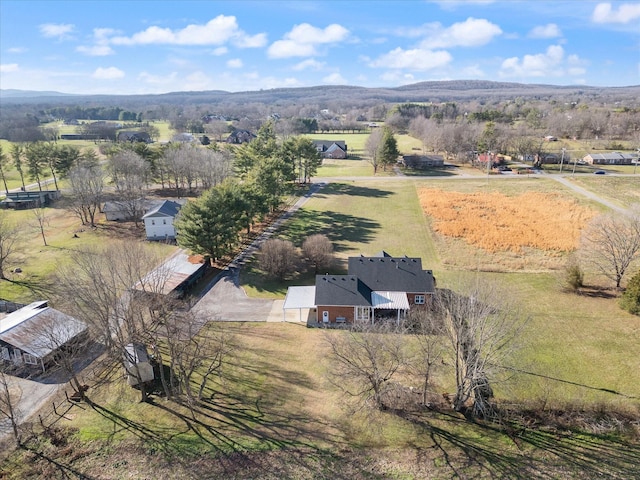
(599, 172)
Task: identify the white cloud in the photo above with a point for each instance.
(56, 30)
(289, 48)
(627, 12)
(96, 50)
(17, 50)
(251, 41)
(305, 33)
(473, 32)
(217, 31)
(219, 51)
(552, 63)
(550, 30)
(334, 79)
(235, 63)
(9, 67)
(416, 59)
(157, 79)
(397, 78)
(310, 63)
(302, 40)
(110, 73)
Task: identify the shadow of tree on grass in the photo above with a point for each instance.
(540, 453)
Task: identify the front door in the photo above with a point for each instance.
(325, 317)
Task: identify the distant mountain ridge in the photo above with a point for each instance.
(15, 93)
(431, 91)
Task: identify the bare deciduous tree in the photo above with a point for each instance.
(68, 341)
(278, 258)
(365, 359)
(611, 243)
(113, 290)
(428, 329)
(9, 396)
(196, 351)
(130, 173)
(372, 147)
(482, 330)
(9, 243)
(318, 249)
(41, 220)
(87, 183)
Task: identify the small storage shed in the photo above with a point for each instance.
(137, 364)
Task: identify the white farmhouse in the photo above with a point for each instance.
(158, 222)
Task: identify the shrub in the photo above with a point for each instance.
(574, 276)
(318, 249)
(630, 300)
(278, 258)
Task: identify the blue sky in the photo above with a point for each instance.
(114, 47)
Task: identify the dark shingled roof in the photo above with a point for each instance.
(393, 274)
(341, 290)
(167, 208)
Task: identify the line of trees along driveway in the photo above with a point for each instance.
(266, 171)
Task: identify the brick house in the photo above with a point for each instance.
(374, 288)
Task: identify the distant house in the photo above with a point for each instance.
(615, 158)
(422, 161)
(80, 136)
(331, 148)
(374, 288)
(31, 335)
(239, 136)
(131, 136)
(33, 199)
(158, 222)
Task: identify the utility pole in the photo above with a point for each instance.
(562, 159)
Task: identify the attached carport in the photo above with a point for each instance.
(299, 298)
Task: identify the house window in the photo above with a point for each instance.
(164, 221)
(153, 222)
(5, 354)
(30, 359)
(419, 300)
(362, 313)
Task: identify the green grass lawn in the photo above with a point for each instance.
(624, 191)
(272, 414)
(583, 339)
(63, 232)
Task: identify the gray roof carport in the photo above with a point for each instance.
(299, 298)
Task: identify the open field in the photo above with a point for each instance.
(63, 232)
(499, 223)
(625, 191)
(357, 165)
(273, 415)
(570, 337)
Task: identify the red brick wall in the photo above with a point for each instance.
(346, 312)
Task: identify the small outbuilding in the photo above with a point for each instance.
(137, 364)
(31, 335)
